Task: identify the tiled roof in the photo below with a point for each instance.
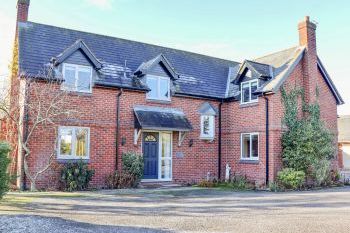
(198, 74)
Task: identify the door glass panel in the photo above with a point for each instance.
(166, 156)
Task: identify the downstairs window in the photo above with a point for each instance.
(73, 142)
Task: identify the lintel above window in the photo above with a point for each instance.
(77, 78)
(160, 88)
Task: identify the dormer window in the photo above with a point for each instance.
(160, 88)
(77, 78)
(247, 91)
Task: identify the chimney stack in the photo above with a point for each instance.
(22, 10)
(307, 38)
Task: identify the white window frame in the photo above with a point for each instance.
(211, 134)
(77, 67)
(158, 78)
(250, 91)
(251, 145)
(73, 156)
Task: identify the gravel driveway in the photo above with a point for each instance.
(177, 210)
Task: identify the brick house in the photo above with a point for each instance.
(190, 115)
(344, 145)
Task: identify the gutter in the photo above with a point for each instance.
(219, 142)
(117, 129)
(267, 138)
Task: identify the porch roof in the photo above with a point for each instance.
(157, 118)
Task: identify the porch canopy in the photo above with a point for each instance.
(162, 119)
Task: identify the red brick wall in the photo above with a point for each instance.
(239, 119)
(98, 111)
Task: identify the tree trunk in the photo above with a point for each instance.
(33, 186)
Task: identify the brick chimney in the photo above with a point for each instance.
(307, 38)
(22, 10)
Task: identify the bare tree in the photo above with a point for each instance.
(32, 104)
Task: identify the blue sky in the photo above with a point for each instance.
(228, 29)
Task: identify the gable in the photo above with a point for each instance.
(78, 58)
(159, 70)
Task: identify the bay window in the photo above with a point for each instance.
(207, 127)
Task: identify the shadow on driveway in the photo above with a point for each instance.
(34, 224)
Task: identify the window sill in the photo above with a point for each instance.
(250, 104)
(159, 101)
(64, 161)
(78, 93)
(207, 138)
(249, 161)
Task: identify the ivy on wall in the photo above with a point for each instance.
(308, 145)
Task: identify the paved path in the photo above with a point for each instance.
(177, 210)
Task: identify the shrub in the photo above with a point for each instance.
(120, 180)
(4, 163)
(76, 176)
(207, 184)
(131, 174)
(321, 172)
(240, 182)
(133, 164)
(289, 178)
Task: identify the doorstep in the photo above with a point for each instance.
(158, 184)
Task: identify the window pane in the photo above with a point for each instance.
(69, 77)
(66, 141)
(84, 79)
(245, 92)
(152, 83)
(255, 146)
(166, 145)
(81, 142)
(254, 88)
(206, 125)
(245, 146)
(164, 89)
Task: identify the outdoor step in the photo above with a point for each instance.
(158, 185)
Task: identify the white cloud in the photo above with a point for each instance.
(102, 4)
(7, 25)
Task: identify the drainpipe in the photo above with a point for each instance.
(267, 137)
(117, 130)
(219, 143)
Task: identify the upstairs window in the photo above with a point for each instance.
(207, 127)
(247, 91)
(250, 146)
(73, 142)
(77, 78)
(160, 88)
